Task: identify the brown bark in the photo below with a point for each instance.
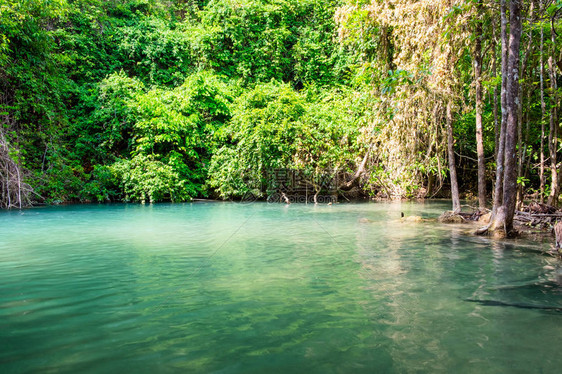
(451, 156)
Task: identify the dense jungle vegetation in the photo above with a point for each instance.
(161, 100)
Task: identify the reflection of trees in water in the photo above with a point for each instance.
(401, 266)
(420, 276)
(519, 276)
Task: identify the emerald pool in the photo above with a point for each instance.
(268, 288)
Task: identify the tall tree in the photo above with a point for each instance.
(502, 219)
(521, 146)
(498, 192)
(477, 62)
(543, 109)
(553, 135)
(496, 92)
(554, 125)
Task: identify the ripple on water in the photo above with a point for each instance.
(268, 288)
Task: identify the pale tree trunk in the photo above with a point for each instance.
(543, 111)
(554, 101)
(527, 155)
(510, 164)
(502, 221)
(451, 156)
(521, 147)
(520, 144)
(479, 104)
(498, 191)
(496, 92)
(553, 136)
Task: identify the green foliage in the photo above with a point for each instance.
(182, 127)
(290, 41)
(61, 181)
(152, 100)
(103, 186)
(157, 51)
(169, 134)
(275, 127)
(555, 7)
(98, 92)
(145, 179)
(105, 133)
(185, 119)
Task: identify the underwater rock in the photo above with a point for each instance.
(411, 219)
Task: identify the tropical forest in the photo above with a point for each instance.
(253, 185)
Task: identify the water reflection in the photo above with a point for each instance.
(269, 288)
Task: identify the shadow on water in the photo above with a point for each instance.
(515, 305)
(543, 294)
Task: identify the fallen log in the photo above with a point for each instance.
(539, 208)
(545, 220)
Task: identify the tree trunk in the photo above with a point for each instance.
(498, 193)
(521, 147)
(479, 104)
(554, 112)
(496, 93)
(502, 222)
(553, 136)
(354, 181)
(452, 166)
(543, 111)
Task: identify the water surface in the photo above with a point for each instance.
(269, 288)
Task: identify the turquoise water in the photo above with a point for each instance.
(269, 288)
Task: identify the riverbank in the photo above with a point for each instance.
(533, 222)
